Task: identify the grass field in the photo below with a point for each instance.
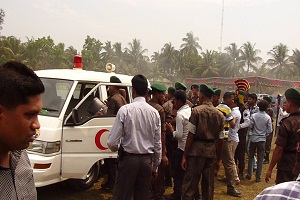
(61, 191)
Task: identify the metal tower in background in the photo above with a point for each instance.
(221, 38)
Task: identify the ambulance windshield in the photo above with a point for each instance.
(55, 95)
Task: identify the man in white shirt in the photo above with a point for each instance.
(230, 144)
(182, 121)
(136, 134)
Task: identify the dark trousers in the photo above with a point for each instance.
(171, 145)
(284, 176)
(197, 168)
(268, 143)
(133, 177)
(111, 171)
(158, 185)
(240, 151)
(178, 174)
(258, 147)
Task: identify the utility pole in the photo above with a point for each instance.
(221, 38)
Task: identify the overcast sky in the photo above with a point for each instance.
(265, 23)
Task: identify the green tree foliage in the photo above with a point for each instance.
(232, 61)
(279, 61)
(295, 61)
(190, 44)
(135, 56)
(92, 54)
(11, 48)
(168, 63)
(250, 56)
(208, 64)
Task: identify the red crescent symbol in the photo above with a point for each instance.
(98, 137)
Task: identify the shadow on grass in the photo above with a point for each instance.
(62, 191)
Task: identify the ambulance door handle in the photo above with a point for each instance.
(73, 140)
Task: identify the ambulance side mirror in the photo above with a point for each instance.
(75, 116)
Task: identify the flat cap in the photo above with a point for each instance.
(171, 90)
(217, 91)
(180, 86)
(159, 86)
(206, 89)
(114, 79)
(292, 93)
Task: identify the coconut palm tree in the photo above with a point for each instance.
(91, 54)
(279, 60)
(135, 56)
(190, 44)
(208, 66)
(108, 54)
(70, 52)
(233, 63)
(295, 60)
(11, 48)
(249, 55)
(168, 58)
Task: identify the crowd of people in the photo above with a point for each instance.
(198, 133)
(164, 139)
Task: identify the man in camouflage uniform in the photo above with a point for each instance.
(158, 97)
(206, 122)
(285, 151)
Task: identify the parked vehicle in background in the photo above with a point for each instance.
(261, 96)
(71, 143)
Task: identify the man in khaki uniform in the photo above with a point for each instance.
(115, 101)
(158, 97)
(171, 144)
(206, 122)
(285, 151)
(181, 86)
(195, 97)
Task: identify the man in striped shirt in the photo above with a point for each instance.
(20, 104)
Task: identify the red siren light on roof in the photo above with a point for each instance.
(77, 62)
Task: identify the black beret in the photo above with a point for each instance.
(159, 86)
(114, 79)
(180, 86)
(206, 89)
(292, 93)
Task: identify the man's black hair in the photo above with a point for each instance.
(180, 95)
(263, 105)
(253, 96)
(17, 83)
(228, 95)
(140, 84)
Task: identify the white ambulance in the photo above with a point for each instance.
(72, 141)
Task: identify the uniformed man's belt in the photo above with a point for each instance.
(136, 154)
(204, 140)
(289, 151)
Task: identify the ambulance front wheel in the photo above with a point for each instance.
(91, 177)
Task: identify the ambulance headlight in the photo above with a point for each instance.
(44, 147)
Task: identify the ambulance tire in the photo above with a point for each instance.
(91, 177)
